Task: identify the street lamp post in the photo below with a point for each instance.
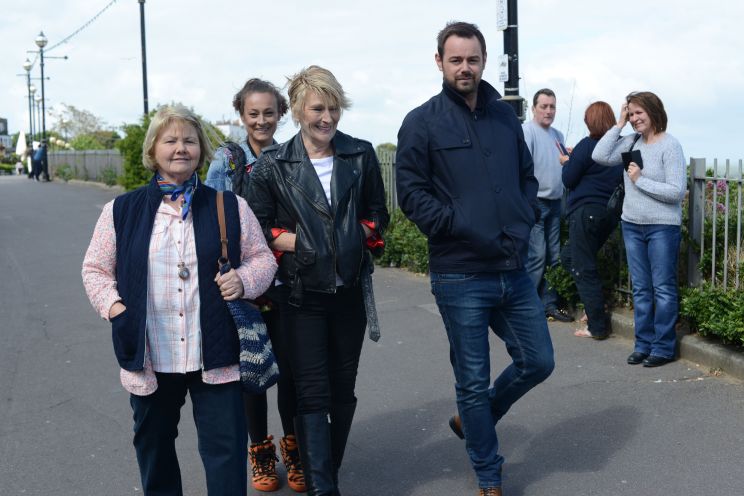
(144, 55)
(32, 106)
(37, 125)
(27, 65)
(41, 41)
(511, 49)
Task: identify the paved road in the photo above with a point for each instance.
(595, 427)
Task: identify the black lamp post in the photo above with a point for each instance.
(41, 41)
(511, 49)
(144, 55)
(37, 125)
(32, 107)
(27, 65)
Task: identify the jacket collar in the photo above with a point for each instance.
(293, 150)
(303, 176)
(486, 95)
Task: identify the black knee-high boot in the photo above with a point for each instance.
(314, 438)
(341, 418)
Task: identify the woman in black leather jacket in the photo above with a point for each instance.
(320, 200)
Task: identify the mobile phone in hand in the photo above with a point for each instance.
(632, 156)
(561, 147)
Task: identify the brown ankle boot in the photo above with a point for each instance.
(490, 491)
(291, 458)
(455, 423)
(263, 465)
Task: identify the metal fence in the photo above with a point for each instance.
(387, 167)
(89, 165)
(713, 213)
(714, 223)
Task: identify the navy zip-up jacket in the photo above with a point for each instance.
(465, 178)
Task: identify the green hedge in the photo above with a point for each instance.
(405, 245)
(716, 312)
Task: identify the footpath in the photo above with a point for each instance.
(596, 426)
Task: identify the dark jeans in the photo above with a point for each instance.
(324, 339)
(589, 226)
(218, 415)
(544, 250)
(256, 405)
(652, 251)
(507, 303)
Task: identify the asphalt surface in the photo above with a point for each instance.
(596, 427)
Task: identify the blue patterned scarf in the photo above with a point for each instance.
(174, 190)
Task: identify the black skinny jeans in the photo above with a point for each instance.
(589, 226)
(256, 405)
(324, 339)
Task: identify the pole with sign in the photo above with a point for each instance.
(509, 62)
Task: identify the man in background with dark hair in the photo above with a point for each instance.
(465, 177)
(544, 142)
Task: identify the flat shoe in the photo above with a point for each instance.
(656, 361)
(637, 357)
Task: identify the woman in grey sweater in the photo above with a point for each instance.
(651, 219)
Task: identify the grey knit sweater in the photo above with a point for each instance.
(656, 197)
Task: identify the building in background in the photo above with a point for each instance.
(6, 143)
(233, 131)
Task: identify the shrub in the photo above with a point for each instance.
(109, 176)
(715, 311)
(405, 245)
(64, 172)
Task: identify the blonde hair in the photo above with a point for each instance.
(164, 117)
(322, 82)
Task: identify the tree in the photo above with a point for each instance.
(72, 121)
(130, 147)
(385, 147)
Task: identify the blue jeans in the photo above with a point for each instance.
(545, 250)
(652, 252)
(508, 303)
(220, 428)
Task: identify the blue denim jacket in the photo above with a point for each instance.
(219, 175)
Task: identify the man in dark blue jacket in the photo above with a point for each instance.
(465, 176)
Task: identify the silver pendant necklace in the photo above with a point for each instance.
(183, 271)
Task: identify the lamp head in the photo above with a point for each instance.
(41, 40)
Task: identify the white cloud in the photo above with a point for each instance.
(689, 52)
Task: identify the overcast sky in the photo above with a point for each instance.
(691, 53)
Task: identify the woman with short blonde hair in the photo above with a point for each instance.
(320, 200)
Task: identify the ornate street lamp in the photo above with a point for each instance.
(41, 41)
(27, 65)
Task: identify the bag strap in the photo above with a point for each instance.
(635, 140)
(221, 220)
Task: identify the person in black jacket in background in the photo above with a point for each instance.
(320, 200)
(589, 221)
(465, 178)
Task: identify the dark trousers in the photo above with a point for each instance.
(218, 415)
(324, 337)
(589, 226)
(256, 405)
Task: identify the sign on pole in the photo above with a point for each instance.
(503, 63)
(502, 21)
